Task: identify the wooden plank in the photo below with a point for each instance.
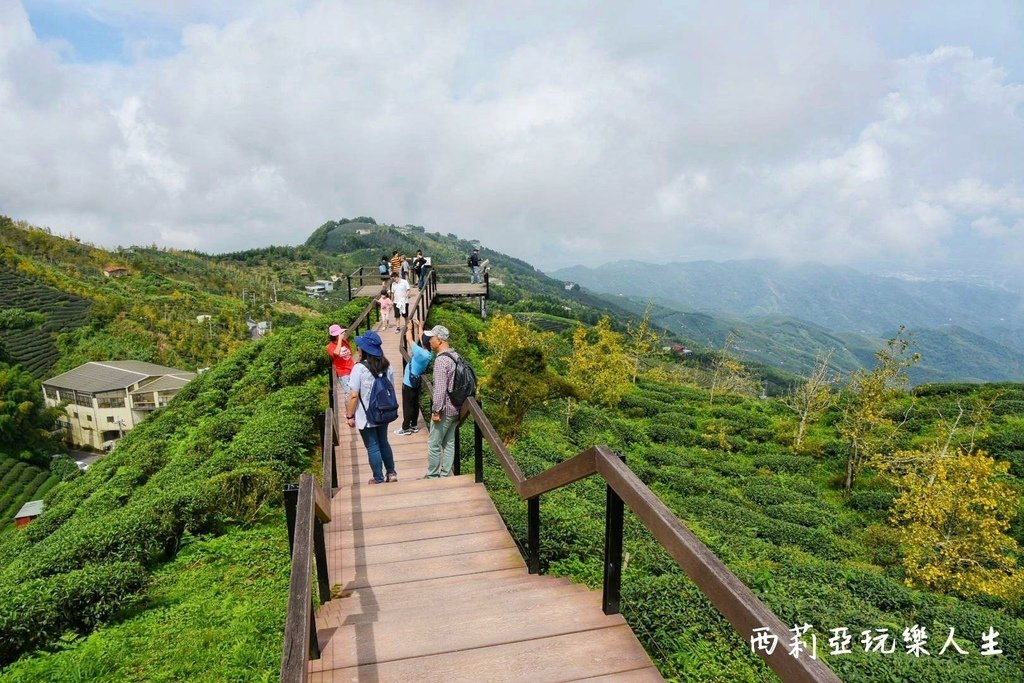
(422, 548)
(428, 568)
(454, 511)
(414, 531)
(360, 491)
(426, 594)
(453, 609)
(471, 629)
(415, 498)
(594, 652)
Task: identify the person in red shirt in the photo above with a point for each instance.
(340, 352)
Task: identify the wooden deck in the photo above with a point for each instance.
(433, 588)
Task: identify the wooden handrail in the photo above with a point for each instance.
(730, 596)
(300, 627)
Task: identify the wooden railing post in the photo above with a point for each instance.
(613, 523)
(457, 463)
(291, 499)
(533, 534)
(320, 553)
(478, 452)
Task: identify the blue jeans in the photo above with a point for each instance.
(475, 279)
(423, 276)
(377, 447)
(441, 447)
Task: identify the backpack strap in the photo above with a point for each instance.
(455, 359)
(360, 395)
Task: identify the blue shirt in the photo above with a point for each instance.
(419, 359)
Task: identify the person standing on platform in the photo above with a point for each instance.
(340, 352)
(419, 358)
(444, 415)
(474, 266)
(372, 363)
(400, 296)
(419, 266)
(396, 262)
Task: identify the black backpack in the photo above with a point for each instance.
(382, 406)
(464, 382)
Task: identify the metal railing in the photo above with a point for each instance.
(441, 272)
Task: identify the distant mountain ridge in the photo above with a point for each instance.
(784, 314)
(834, 297)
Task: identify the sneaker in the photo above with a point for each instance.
(413, 429)
(374, 481)
(393, 477)
(403, 432)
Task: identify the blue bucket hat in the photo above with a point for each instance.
(370, 343)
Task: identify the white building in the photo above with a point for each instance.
(328, 285)
(106, 399)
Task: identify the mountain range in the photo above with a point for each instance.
(784, 314)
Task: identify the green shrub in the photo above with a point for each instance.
(35, 612)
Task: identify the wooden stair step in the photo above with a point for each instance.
(433, 592)
(414, 550)
(453, 511)
(472, 628)
(416, 498)
(595, 652)
(511, 599)
(414, 531)
(426, 591)
(429, 568)
(364, 491)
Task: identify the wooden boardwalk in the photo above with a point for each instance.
(433, 588)
(443, 289)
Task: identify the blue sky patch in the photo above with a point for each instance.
(91, 39)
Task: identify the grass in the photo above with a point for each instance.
(215, 613)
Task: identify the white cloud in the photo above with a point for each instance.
(554, 134)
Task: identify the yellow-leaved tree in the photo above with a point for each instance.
(599, 369)
(516, 373)
(953, 514)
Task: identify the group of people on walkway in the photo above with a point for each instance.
(357, 382)
(408, 269)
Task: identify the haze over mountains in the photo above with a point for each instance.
(965, 331)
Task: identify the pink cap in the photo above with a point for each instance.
(335, 330)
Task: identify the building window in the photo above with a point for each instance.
(51, 393)
(89, 418)
(110, 402)
(110, 419)
(75, 414)
(84, 400)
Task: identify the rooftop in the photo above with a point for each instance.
(111, 375)
(33, 508)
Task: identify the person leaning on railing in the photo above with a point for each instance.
(419, 358)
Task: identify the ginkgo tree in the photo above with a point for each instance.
(599, 368)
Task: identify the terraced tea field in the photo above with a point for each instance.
(33, 347)
(20, 482)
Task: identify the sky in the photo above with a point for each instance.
(561, 133)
